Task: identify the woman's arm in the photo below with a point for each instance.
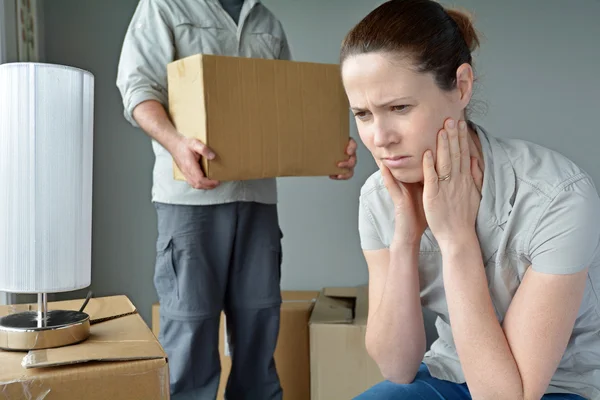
(395, 336)
(516, 362)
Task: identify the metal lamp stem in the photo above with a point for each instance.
(42, 317)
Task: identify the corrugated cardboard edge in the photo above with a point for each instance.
(197, 61)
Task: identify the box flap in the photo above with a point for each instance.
(123, 339)
(299, 295)
(341, 305)
(117, 333)
(332, 309)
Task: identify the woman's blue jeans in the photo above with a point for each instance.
(426, 387)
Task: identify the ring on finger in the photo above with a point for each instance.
(444, 178)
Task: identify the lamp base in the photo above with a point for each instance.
(24, 331)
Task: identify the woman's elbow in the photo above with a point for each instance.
(398, 377)
(391, 370)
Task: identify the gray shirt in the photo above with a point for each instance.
(538, 208)
(162, 31)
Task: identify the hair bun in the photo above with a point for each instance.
(465, 25)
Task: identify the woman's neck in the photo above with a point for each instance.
(475, 148)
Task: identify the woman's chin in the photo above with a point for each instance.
(408, 175)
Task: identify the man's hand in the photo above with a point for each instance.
(152, 117)
(187, 153)
(349, 164)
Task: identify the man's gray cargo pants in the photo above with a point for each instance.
(212, 258)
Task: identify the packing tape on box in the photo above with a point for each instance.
(36, 389)
(24, 389)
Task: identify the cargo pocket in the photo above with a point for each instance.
(165, 279)
(277, 261)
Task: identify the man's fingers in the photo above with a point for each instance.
(202, 149)
(350, 163)
(351, 148)
(196, 178)
(204, 184)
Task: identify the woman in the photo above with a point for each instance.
(500, 238)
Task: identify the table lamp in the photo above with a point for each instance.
(46, 143)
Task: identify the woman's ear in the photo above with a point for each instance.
(464, 84)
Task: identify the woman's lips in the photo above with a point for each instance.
(396, 162)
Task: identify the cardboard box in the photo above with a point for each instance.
(263, 118)
(341, 368)
(292, 354)
(121, 360)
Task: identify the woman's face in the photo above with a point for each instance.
(399, 111)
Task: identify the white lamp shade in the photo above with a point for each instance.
(46, 148)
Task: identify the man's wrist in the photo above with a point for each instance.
(172, 140)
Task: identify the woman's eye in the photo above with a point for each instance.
(399, 108)
(360, 114)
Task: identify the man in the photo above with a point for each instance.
(219, 244)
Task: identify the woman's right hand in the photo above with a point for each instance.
(410, 222)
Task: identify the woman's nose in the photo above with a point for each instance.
(383, 134)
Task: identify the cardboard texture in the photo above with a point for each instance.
(340, 366)
(292, 354)
(121, 360)
(263, 118)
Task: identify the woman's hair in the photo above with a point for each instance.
(438, 40)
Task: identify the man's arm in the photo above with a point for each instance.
(153, 119)
(142, 80)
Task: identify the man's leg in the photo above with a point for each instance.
(194, 249)
(253, 303)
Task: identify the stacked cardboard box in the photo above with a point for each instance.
(341, 368)
(121, 360)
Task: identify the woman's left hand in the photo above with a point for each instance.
(452, 186)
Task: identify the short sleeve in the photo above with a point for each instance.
(369, 237)
(566, 236)
(147, 49)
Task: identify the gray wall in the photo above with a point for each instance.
(536, 78)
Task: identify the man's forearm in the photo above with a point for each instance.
(152, 117)
(484, 352)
